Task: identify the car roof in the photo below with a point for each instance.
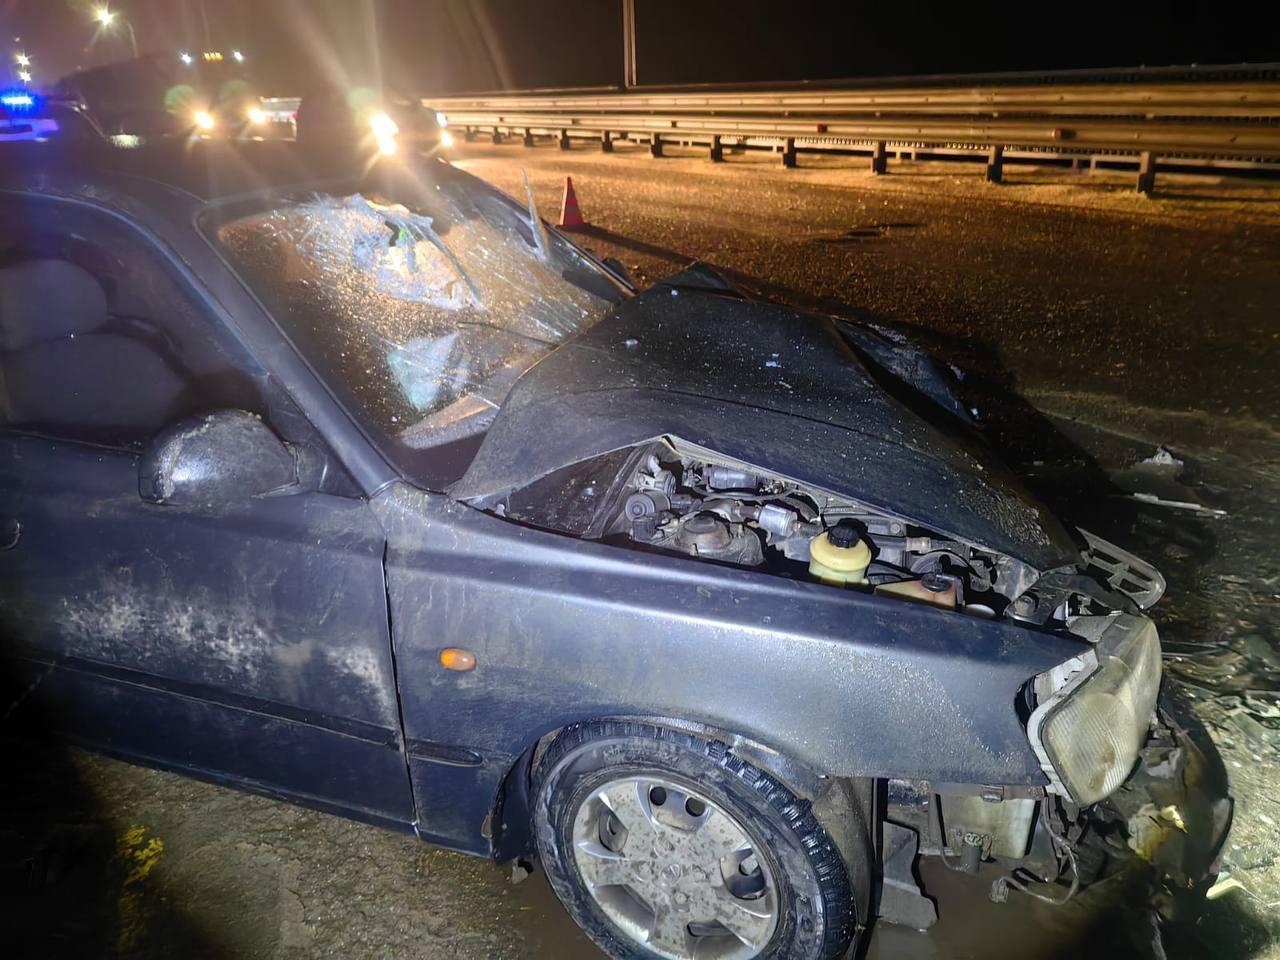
(202, 170)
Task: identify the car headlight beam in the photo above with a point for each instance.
(383, 126)
(384, 131)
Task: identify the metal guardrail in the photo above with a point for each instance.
(1234, 120)
(1238, 100)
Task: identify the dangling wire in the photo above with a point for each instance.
(935, 827)
(1062, 848)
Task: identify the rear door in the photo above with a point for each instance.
(247, 644)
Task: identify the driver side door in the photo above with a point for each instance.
(244, 642)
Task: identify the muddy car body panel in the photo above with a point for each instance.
(216, 641)
(570, 631)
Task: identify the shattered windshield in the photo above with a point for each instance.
(425, 301)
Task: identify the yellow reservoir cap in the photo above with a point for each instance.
(838, 566)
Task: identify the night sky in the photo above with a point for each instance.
(470, 45)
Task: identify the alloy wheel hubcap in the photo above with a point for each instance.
(675, 872)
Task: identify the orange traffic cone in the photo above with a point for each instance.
(570, 215)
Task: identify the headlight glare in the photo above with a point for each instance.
(383, 126)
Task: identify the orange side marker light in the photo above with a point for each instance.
(453, 658)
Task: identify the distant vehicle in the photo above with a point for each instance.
(164, 95)
(358, 485)
(363, 120)
(27, 115)
(22, 118)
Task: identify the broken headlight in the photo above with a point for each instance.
(1092, 719)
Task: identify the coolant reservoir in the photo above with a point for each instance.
(839, 556)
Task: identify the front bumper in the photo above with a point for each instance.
(1175, 811)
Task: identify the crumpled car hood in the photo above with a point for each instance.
(761, 383)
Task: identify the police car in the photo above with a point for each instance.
(26, 115)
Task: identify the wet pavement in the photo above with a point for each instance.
(1099, 326)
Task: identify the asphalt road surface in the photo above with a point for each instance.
(1097, 325)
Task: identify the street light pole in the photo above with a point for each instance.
(628, 43)
(106, 17)
(204, 18)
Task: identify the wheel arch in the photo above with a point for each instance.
(511, 811)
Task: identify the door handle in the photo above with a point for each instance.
(10, 532)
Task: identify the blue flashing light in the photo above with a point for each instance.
(19, 101)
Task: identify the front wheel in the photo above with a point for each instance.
(661, 844)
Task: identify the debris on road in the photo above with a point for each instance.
(1157, 481)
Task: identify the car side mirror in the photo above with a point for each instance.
(220, 458)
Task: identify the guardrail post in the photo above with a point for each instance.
(1146, 172)
(564, 140)
(789, 152)
(528, 137)
(469, 135)
(716, 153)
(606, 142)
(497, 135)
(879, 159)
(995, 164)
(655, 145)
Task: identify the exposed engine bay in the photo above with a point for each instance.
(685, 502)
(676, 497)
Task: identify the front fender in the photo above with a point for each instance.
(563, 630)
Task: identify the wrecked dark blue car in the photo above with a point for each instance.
(373, 493)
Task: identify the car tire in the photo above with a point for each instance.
(683, 797)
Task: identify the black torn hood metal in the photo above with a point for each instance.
(764, 384)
